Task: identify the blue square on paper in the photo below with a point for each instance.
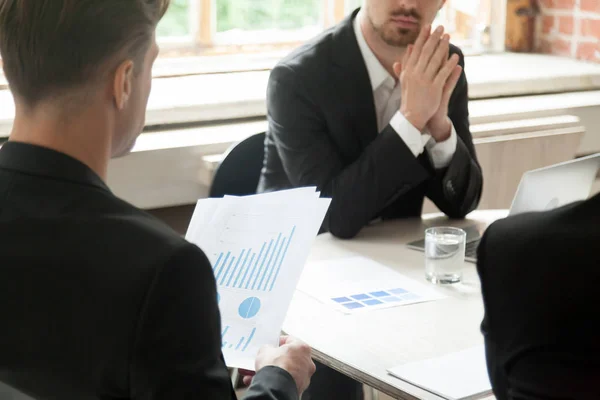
(361, 297)
(391, 299)
(352, 306)
(341, 299)
(398, 291)
(379, 294)
(372, 302)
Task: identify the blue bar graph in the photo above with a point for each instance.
(254, 266)
(282, 258)
(262, 264)
(269, 263)
(252, 271)
(218, 259)
(219, 270)
(246, 272)
(274, 263)
(227, 271)
(236, 268)
(249, 339)
(239, 274)
(242, 343)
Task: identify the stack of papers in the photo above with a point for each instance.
(257, 246)
(358, 284)
(457, 376)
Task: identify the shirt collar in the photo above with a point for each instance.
(42, 161)
(377, 73)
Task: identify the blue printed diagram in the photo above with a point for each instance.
(257, 271)
(249, 307)
(240, 344)
(378, 298)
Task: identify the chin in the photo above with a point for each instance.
(400, 37)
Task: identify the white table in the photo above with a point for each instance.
(364, 345)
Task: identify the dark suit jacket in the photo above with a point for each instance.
(99, 300)
(539, 274)
(323, 132)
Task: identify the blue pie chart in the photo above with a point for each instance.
(249, 307)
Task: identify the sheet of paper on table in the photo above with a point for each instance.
(359, 284)
(457, 376)
(258, 246)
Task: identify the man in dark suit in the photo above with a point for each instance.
(373, 133)
(539, 272)
(374, 112)
(98, 300)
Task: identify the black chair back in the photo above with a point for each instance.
(239, 172)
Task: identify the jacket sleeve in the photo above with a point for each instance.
(385, 170)
(456, 190)
(272, 383)
(177, 350)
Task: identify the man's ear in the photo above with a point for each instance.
(123, 84)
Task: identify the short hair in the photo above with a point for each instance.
(49, 47)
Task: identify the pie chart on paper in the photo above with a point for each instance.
(249, 307)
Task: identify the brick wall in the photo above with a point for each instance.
(569, 28)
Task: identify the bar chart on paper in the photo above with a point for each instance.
(246, 276)
(237, 344)
(253, 269)
(257, 247)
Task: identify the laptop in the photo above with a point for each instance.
(540, 190)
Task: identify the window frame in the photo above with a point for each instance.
(186, 50)
(203, 38)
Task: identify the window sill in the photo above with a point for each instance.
(209, 97)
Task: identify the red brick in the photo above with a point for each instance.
(561, 47)
(588, 51)
(563, 4)
(546, 3)
(544, 46)
(590, 27)
(554, 46)
(547, 24)
(590, 5)
(565, 25)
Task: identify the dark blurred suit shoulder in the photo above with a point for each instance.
(98, 299)
(539, 273)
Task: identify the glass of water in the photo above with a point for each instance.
(444, 254)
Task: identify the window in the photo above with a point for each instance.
(469, 23)
(209, 24)
(251, 21)
(176, 22)
(269, 28)
(221, 26)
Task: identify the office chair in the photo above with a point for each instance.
(239, 172)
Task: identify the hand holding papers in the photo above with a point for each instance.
(258, 246)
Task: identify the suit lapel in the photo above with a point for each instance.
(352, 84)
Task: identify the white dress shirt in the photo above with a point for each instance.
(387, 93)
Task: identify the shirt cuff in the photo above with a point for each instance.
(441, 153)
(411, 136)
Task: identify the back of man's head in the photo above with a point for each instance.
(53, 47)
